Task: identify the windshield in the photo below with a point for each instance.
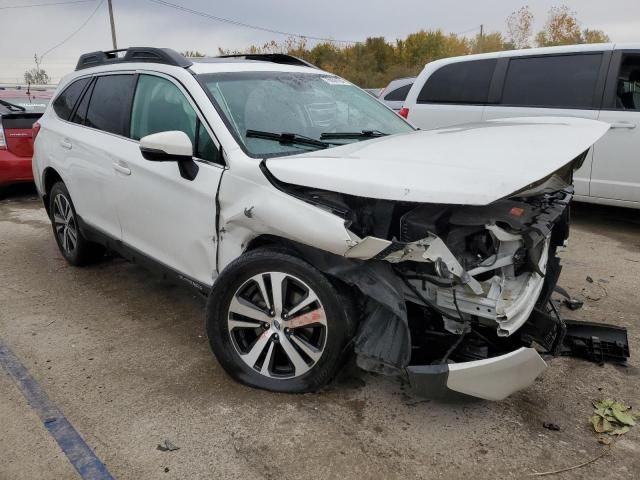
(308, 105)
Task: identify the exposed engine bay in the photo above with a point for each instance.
(444, 284)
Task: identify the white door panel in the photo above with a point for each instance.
(616, 165)
(90, 177)
(428, 116)
(166, 217)
(582, 176)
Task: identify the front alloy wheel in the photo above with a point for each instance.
(277, 325)
(276, 322)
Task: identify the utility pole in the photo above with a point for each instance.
(113, 26)
(481, 26)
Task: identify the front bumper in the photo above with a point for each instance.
(491, 379)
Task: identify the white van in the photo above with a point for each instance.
(598, 81)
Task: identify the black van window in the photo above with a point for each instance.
(560, 81)
(465, 82)
(628, 84)
(63, 105)
(110, 103)
(399, 94)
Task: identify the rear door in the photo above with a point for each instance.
(455, 93)
(616, 161)
(92, 141)
(163, 215)
(566, 85)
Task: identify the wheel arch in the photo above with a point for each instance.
(50, 177)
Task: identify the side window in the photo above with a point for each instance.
(80, 115)
(399, 94)
(628, 84)
(561, 81)
(160, 106)
(63, 105)
(109, 104)
(465, 82)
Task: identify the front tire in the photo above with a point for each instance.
(275, 322)
(76, 249)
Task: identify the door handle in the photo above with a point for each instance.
(122, 168)
(627, 125)
(66, 144)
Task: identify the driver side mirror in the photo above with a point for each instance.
(171, 146)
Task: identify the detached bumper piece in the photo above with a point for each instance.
(492, 379)
(596, 342)
(497, 377)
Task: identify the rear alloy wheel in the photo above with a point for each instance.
(76, 249)
(275, 322)
(64, 224)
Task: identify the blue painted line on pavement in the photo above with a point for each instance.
(72, 444)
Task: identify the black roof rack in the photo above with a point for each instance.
(133, 54)
(271, 57)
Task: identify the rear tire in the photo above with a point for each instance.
(75, 248)
(294, 341)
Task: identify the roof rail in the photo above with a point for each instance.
(282, 58)
(133, 54)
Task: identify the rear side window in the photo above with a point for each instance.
(399, 94)
(461, 82)
(110, 102)
(63, 105)
(561, 81)
(80, 116)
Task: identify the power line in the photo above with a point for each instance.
(75, 32)
(246, 25)
(51, 4)
(470, 30)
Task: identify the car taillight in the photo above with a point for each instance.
(35, 129)
(404, 112)
(3, 142)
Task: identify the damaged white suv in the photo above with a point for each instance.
(317, 221)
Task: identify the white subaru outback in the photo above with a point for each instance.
(317, 221)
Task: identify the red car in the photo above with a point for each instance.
(20, 108)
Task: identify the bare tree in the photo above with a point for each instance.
(519, 27)
(37, 75)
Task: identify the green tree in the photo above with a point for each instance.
(594, 36)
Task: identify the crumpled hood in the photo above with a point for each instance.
(472, 164)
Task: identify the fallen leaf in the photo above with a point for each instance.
(619, 431)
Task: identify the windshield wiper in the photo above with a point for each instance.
(12, 106)
(362, 134)
(287, 138)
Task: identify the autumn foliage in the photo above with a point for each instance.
(376, 61)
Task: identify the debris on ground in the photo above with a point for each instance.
(574, 467)
(551, 426)
(167, 446)
(612, 417)
(589, 279)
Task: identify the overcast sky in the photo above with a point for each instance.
(26, 31)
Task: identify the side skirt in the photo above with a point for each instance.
(135, 256)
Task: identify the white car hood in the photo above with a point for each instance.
(473, 164)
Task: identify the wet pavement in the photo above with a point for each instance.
(125, 357)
